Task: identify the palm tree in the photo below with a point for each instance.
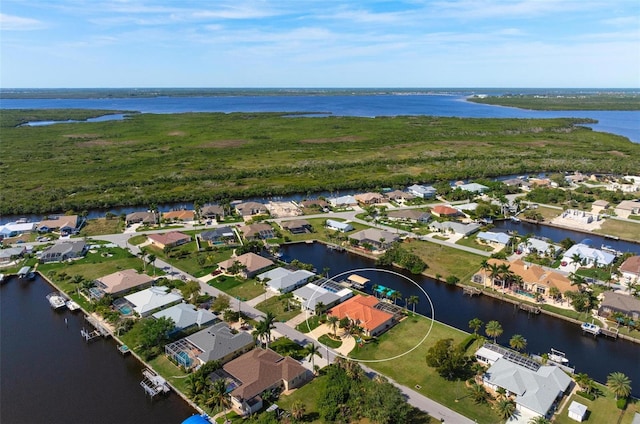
(585, 382)
(413, 300)
(506, 408)
(505, 273)
(576, 259)
(494, 272)
(554, 292)
(538, 420)
(577, 280)
(297, 410)
(259, 332)
(268, 323)
(395, 296)
(332, 322)
(374, 289)
(478, 393)
(619, 384)
(475, 324)
(311, 350)
(493, 329)
(518, 342)
(151, 258)
(218, 397)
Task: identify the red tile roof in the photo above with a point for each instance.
(361, 308)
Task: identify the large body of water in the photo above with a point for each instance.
(49, 374)
(595, 356)
(625, 123)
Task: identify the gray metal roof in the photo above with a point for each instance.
(218, 341)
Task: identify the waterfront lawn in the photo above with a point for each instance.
(238, 288)
(170, 371)
(283, 307)
(601, 410)
(100, 226)
(623, 229)
(411, 369)
(95, 265)
(548, 213)
(444, 260)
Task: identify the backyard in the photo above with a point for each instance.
(238, 288)
(283, 307)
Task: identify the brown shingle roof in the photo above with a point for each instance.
(631, 265)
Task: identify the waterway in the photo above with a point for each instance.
(51, 375)
(595, 356)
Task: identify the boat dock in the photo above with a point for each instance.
(557, 364)
(613, 333)
(590, 328)
(529, 308)
(24, 271)
(335, 247)
(98, 330)
(471, 291)
(153, 384)
(124, 349)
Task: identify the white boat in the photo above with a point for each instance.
(515, 219)
(557, 356)
(72, 305)
(1, 278)
(56, 300)
(590, 328)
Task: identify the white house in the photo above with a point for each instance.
(342, 201)
(494, 238)
(425, 192)
(343, 227)
(454, 227)
(589, 255)
(473, 187)
(328, 294)
(281, 280)
(541, 247)
(147, 301)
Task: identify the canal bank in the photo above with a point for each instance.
(45, 358)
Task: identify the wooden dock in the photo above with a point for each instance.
(532, 309)
(613, 333)
(98, 330)
(335, 247)
(471, 291)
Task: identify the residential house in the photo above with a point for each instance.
(219, 236)
(326, 294)
(146, 218)
(541, 182)
(541, 247)
(247, 209)
(258, 371)
(11, 253)
(120, 282)
(619, 302)
(297, 226)
(212, 212)
(422, 191)
(282, 280)
(399, 196)
(314, 203)
(343, 227)
(343, 201)
(473, 187)
(13, 229)
(181, 215)
(626, 208)
(60, 252)
(516, 182)
(250, 264)
(185, 315)
(409, 215)
(630, 270)
(496, 239)
(259, 231)
(454, 227)
(465, 208)
(363, 311)
(379, 239)
(66, 224)
(169, 240)
(444, 211)
(536, 388)
(215, 343)
(369, 198)
(589, 255)
(599, 206)
(148, 301)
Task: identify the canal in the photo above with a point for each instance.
(595, 356)
(51, 375)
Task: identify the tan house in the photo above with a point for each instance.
(212, 212)
(121, 282)
(147, 217)
(626, 208)
(630, 270)
(250, 264)
(599, 206)
(169, 240)
(247, 209)
(399, 196)
(369, 198)
(66, 224)
(619, 302)
(260, 370)
(182, 215)
(259, 231)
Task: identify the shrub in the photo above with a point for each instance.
(622, 403)
(586, 395)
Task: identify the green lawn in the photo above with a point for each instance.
(238, 288)
(309, 324)
(328, 341)
(473, 243)
(445, 260)
(411, 369)
(163, 366)
(284, 308)
(601, 410)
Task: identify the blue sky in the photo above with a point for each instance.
(309, 43)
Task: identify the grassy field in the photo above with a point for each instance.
(473, 243)
(100, 226)
(601, 410)
(623, 229)
(621, 101)
(213, 156)
(411, 369)
(95, 265)
(283, 308)
(235, 287)
(444, 260)
(549, 213)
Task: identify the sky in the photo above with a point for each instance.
(328, 43)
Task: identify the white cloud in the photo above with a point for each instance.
(17, 23)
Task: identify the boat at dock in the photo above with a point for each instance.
(56, 300)
(72, 305)
(588, 327)
(558, 357)
(153, 384)
(24, 271)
